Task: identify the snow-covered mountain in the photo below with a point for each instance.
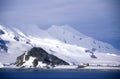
(69, 35)
(63, 42)
(12, 44)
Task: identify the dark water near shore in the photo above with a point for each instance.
(59, 74)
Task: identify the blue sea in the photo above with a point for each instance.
(59, 74)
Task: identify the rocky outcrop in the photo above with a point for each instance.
(1, 32)
(92, 53)
(3, 46)
(40, 55)
(19, 60)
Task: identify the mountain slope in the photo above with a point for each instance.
(69, 35)
(32, 30)
(12, 45)
(77, 55)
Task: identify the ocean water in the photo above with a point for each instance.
(59, 74)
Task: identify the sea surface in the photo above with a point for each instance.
(58, 74)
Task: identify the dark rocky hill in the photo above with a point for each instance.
(40, 55)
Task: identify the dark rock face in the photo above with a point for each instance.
(93, 56)
(16, 38)
(1, 32)
(91, 52)
(93, 49)
(88, 51)
(41, 55)
(19, 60)
(35, 63)
(3, 45)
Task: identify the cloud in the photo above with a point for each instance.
(53, 11)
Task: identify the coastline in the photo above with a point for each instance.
(89, 68)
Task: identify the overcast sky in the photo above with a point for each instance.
(97, 18)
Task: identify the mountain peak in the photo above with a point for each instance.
(61, 26)
(65, 29)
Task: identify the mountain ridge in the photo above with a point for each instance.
(67, 34)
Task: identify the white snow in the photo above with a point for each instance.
(98, 67)
(111, 54)
(29, 62)
(1, 65)
(41, 64)
(65, 67)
